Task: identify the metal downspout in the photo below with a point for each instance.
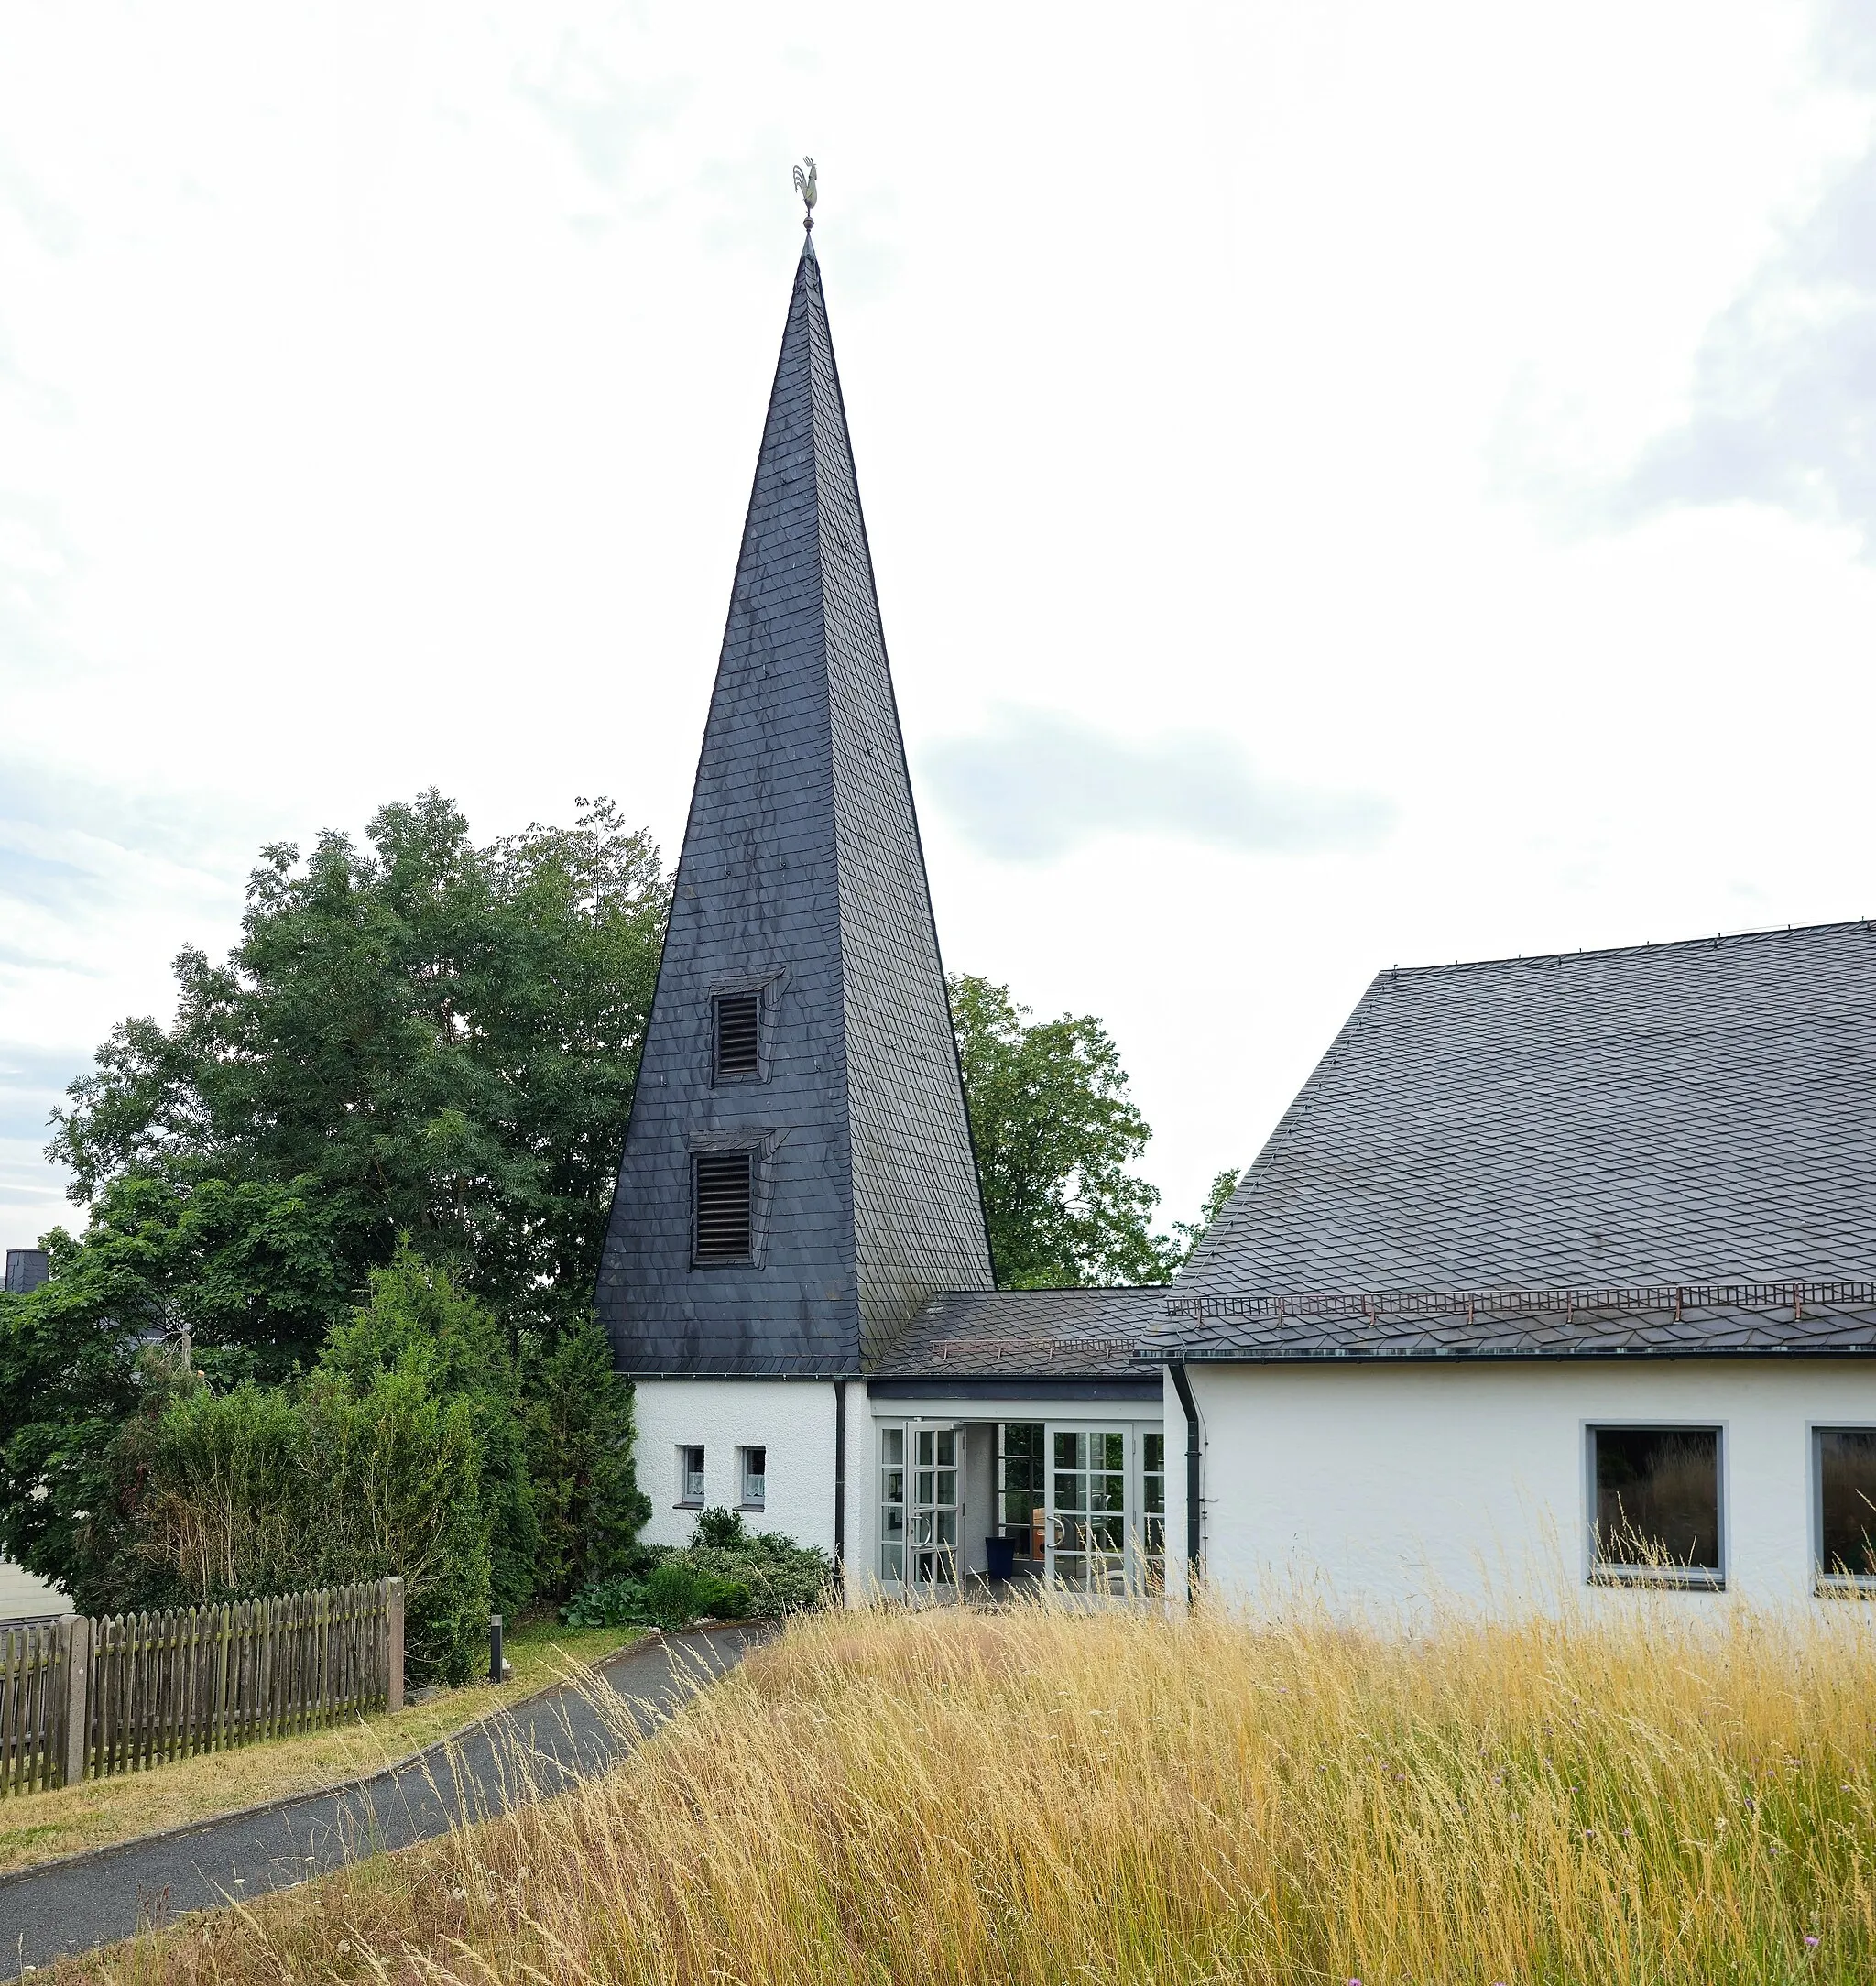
(840, 1480)
(1195, 1515)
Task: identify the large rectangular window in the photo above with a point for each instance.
(1846, 1491)
(723, 1198)
(737, 1019)
(691, 1475)
(754, 1470)
(1019, 1486)
(1655, 1511)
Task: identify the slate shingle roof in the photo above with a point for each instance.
(1028, 1334)
(1682, 1321)
(1542, 1152)
(802, 871)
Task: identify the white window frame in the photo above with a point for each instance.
(945, 1555)
(1671, 1579)
(889, 1434)
(1824, 1582)
(686, 1450)
(745, 1477)
(1035, 1527)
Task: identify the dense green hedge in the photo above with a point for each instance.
(413, 1448)
(727, 1571)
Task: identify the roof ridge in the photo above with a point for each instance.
(1646, 948)
(1743, 1291)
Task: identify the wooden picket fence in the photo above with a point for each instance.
(35, 1689)
(81, 1699)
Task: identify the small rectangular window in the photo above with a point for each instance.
(1655, 1505)
(755, 1475)
(691, 1477)
(722, 1191)
(1847, 1503)
(739, 1036)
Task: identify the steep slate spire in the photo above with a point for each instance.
(801, 876)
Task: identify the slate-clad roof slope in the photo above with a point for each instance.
(1688, 1320)
(800, 871)
(1028, 1334)
(1644, 1120)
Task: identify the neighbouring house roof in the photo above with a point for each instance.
(1025, 1334)
(1660, 1149)
(802, 875)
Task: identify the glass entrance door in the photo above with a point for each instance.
(1087, 1528)
(935, 1507)
(920, 1504)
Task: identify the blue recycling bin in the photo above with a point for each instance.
(1000, 1557)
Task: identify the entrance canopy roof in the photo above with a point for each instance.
(1025, 1334)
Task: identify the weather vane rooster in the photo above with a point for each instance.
(810, 193)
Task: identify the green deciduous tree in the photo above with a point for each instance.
(1188, 1234)
(431, 1038)
(416, 1037)
(1055, 1132)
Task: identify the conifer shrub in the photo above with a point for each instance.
(577, 1412)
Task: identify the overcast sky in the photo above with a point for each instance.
(1351, 483)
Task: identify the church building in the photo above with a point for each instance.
(796, 1272)
(1558, 1270)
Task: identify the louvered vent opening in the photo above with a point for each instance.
(739, 1036)
(722, 1182)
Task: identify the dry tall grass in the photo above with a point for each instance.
(1046, 1796)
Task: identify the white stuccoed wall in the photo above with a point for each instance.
(21, 1595)
(794, 1419)
(1387, 1486)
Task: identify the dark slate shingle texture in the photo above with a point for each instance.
(801, 867)
(1687, 1321)
(1637, 1121)
(1030, 1333)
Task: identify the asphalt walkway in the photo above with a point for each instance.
(91, 1899)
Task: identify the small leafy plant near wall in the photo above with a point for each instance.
(727, 1571)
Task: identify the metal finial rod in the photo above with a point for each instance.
(806, 186)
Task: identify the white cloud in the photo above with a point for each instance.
(379, 388)
(1784, 402)
(1041, 784)
(1779, 404)
(603, 116)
